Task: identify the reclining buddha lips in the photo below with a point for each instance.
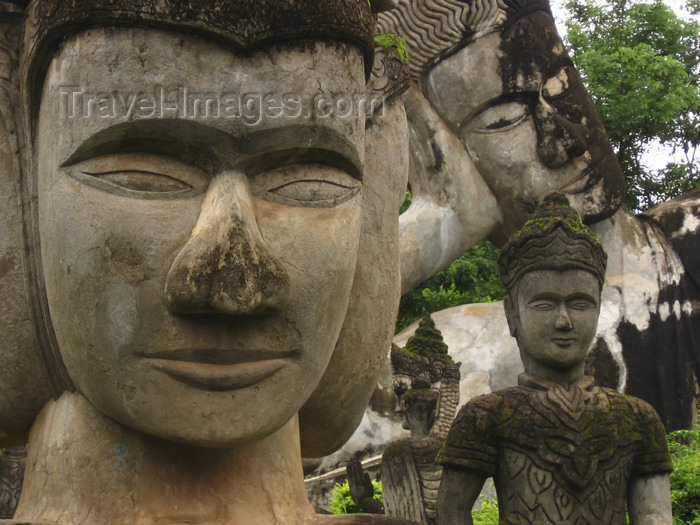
(219, 370)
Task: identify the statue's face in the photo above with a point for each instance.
(519, 106)
(555, 316)
(197, 269)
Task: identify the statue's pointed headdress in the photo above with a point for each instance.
(554, 238)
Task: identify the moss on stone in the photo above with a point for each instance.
(418, 392)
(543, 217)
(395, 42)
(427, 342)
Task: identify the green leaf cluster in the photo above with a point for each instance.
(488, 513)
(685, 478)
(641, 64)
(472, 278)
(341, 501)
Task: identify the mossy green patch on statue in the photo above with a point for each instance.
(418, 392)
(395, 42)
(427, 342)
(540, 221)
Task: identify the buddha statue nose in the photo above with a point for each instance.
(558, 139)
(226, 267)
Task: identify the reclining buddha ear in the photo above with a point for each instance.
(25, 383)
(337, 406)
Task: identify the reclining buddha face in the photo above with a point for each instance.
(197, 269)
(518, 105)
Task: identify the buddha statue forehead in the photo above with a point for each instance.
(243, 24)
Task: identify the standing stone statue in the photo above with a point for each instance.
(199, 240)
(426, 381)
(561, 450)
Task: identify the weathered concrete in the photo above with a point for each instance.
(211, 252)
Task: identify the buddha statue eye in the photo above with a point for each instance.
(147, 181)
(140, 175)
(305, 184)
(582, 304)
(543, 304)
(500, 117)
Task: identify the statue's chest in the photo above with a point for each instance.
(565, 458)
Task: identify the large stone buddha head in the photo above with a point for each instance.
(498, 75)
(210, 205)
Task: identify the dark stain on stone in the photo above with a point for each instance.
(663, 361)
(123, 259)
(670, 217)
(123, 252)
(7, 264)
(601, 365)
(439, 157)
(237, 276)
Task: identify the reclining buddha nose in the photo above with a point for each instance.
(226, 267)
(558, 139)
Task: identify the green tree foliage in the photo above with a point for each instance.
(685, 478)
(473, 278)
(488, 513)
(341, 501)
(641, 64)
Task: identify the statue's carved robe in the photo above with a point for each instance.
(559, 454)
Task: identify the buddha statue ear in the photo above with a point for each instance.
(337, 406)
(25, 382)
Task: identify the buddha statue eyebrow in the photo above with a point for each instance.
(211, 148)
(557, 297)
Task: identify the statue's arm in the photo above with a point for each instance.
(459, 490)
(452, 208)
(649, 500)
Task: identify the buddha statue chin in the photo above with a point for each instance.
(200, 226)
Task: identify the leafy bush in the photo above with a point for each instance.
(472, 278)
(341, 501)
(488, 513)
(685, 478)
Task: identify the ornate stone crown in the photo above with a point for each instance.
(424, 361)
(554, 238)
